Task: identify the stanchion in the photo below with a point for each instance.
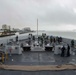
(6, 56)
(10, 51)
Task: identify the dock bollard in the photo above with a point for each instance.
(2, 58)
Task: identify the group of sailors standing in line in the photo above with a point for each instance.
(64, 51)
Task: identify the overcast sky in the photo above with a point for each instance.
(51, 14)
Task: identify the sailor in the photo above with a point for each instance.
(21, 45)
(54, 40)
(72, 43)
(63, 51)
(33, 38)
(16, 38)
(68, 51)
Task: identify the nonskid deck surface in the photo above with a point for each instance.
(39, 58)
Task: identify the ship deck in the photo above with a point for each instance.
(39, 57)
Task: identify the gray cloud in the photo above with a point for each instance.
(60, 16)
(23, 13)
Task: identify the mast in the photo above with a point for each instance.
(37, 28)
